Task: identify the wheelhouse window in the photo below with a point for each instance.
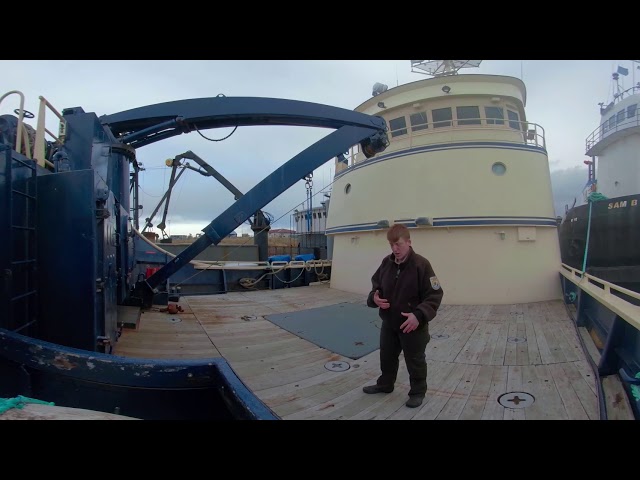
(514, 119)
(398, 126)
(418, 121)
(620, 117)
(441, 117)
(631, 110)
(468, 115)
(495, 115)
(612, 122)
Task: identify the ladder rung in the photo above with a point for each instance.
(31, 166)
(32, 292)
(20, 227)
(16, 330)
(22, 262)
(24, 194)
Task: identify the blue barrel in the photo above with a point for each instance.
(306, 257)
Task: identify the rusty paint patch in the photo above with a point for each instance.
(63, 363)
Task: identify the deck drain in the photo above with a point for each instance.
(175, 320)
(516, 400)
(337, 366)
(440, 336)
(516, 339)
(248, 318)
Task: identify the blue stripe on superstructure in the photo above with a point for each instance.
(444, 223)
(350, 228)
(494, 216)
(442, 146)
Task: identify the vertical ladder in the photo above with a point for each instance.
(22, 275)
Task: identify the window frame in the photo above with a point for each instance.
(442, 123)
(401, 130)
(468, 120)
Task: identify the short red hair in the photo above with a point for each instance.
(398, 231)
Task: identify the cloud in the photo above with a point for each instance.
(567, 185)
(562, 97)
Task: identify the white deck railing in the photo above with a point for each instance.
(626, 310)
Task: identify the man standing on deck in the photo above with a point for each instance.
(407, 293)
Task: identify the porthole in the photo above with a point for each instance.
(498, 168)
(347, 188)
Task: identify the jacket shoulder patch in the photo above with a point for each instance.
(435, 284)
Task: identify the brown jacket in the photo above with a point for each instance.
(411, 286)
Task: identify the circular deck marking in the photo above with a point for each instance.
(175, 319)
(516, 339)
(337, 366)
(516, 400)
(440, 336)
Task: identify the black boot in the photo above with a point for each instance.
(414, 401)
(377, 389)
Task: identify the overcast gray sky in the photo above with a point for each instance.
(562, 97)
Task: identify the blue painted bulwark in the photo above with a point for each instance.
(621, 341)
(151, 389)
(72, 258)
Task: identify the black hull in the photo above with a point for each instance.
(613, 250)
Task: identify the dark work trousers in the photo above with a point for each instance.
(413, 344)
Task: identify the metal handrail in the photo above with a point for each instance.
(599, 133)
(22, 131)
(41, 129)
(533, 133)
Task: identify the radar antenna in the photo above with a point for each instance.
(440, 68)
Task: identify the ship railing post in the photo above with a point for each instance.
(39, 147)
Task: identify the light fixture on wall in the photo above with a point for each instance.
(446, 89)
(422, 221)
(383, 223)
(381, 105)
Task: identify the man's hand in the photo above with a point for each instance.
(381, 302)
(410, 324)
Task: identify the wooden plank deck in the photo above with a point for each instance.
(477, 354)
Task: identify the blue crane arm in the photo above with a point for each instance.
(144, 125)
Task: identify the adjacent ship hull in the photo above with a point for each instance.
(610, 238)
